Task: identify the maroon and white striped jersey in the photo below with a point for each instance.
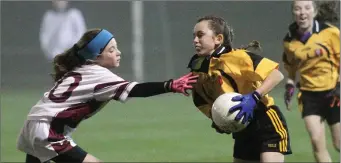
(80, 94)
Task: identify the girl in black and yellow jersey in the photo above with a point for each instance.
(312, 48)
(224, 69)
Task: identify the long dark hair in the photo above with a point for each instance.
(69, 60)
(327, 11)
(219, 26)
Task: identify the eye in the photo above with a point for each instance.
(297, 8)
(200, 35)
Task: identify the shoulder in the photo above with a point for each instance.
(98, 72)
(237, 54)
(74, 12)
(290, 33)
(48, 14)
(329, 28)
(240, 57)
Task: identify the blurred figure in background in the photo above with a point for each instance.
(60, 29)
(312, 48)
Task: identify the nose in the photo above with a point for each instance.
(195, 40)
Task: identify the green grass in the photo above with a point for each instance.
(165, 128)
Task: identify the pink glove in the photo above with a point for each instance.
(182, 84)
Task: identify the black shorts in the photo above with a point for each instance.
(267, 132)
(74, 155)
(317, 103)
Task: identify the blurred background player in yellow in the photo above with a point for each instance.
(60, 28)
(312, 49)
(224, 69)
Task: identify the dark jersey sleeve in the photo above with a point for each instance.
(148, 89)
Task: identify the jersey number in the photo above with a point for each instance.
(67, 94)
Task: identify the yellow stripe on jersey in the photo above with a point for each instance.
(279, 129)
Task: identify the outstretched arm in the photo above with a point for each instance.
(155, 88)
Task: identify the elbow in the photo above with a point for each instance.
(280, 76)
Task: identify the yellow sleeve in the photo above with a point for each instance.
(259, 67)
(289, 62)
(264, 68)
(335, 44)
(244, 64)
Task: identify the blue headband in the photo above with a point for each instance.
(96, 45)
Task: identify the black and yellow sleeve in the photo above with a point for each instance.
(262, 67)
(289, 62)
(244, 64)
(335, 44)
(201, 104)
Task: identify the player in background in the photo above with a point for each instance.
(60, 28)
(84, 85)
(312, 49)
(221, 68)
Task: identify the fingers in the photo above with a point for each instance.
(239, 116)
(185, 92)
(245, 119)
(287, 104)
(234, 108)
(237, 98)
(187, 75)
(335, 101)
(193, 77)
(191, 81)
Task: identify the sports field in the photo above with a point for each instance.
(166, 128)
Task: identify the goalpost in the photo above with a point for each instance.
(137, 43)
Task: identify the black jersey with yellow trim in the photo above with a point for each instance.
(315, 56)
(241, 72)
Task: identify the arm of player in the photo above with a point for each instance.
(291, 67)
(273, 79)
(155, 88)
(335, 44)
(257, 68)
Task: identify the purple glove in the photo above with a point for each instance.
(289, 92)
(246, 106)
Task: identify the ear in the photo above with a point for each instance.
(219, 39)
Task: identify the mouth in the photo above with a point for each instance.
(303, 19)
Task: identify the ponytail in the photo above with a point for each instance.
(66, 62)
(69, 60)
(254, 44)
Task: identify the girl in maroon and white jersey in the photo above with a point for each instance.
(84, 84)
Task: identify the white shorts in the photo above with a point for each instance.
(37, 139)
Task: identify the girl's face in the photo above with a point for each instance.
(205, 41)
(304, 13)
(111, 56)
